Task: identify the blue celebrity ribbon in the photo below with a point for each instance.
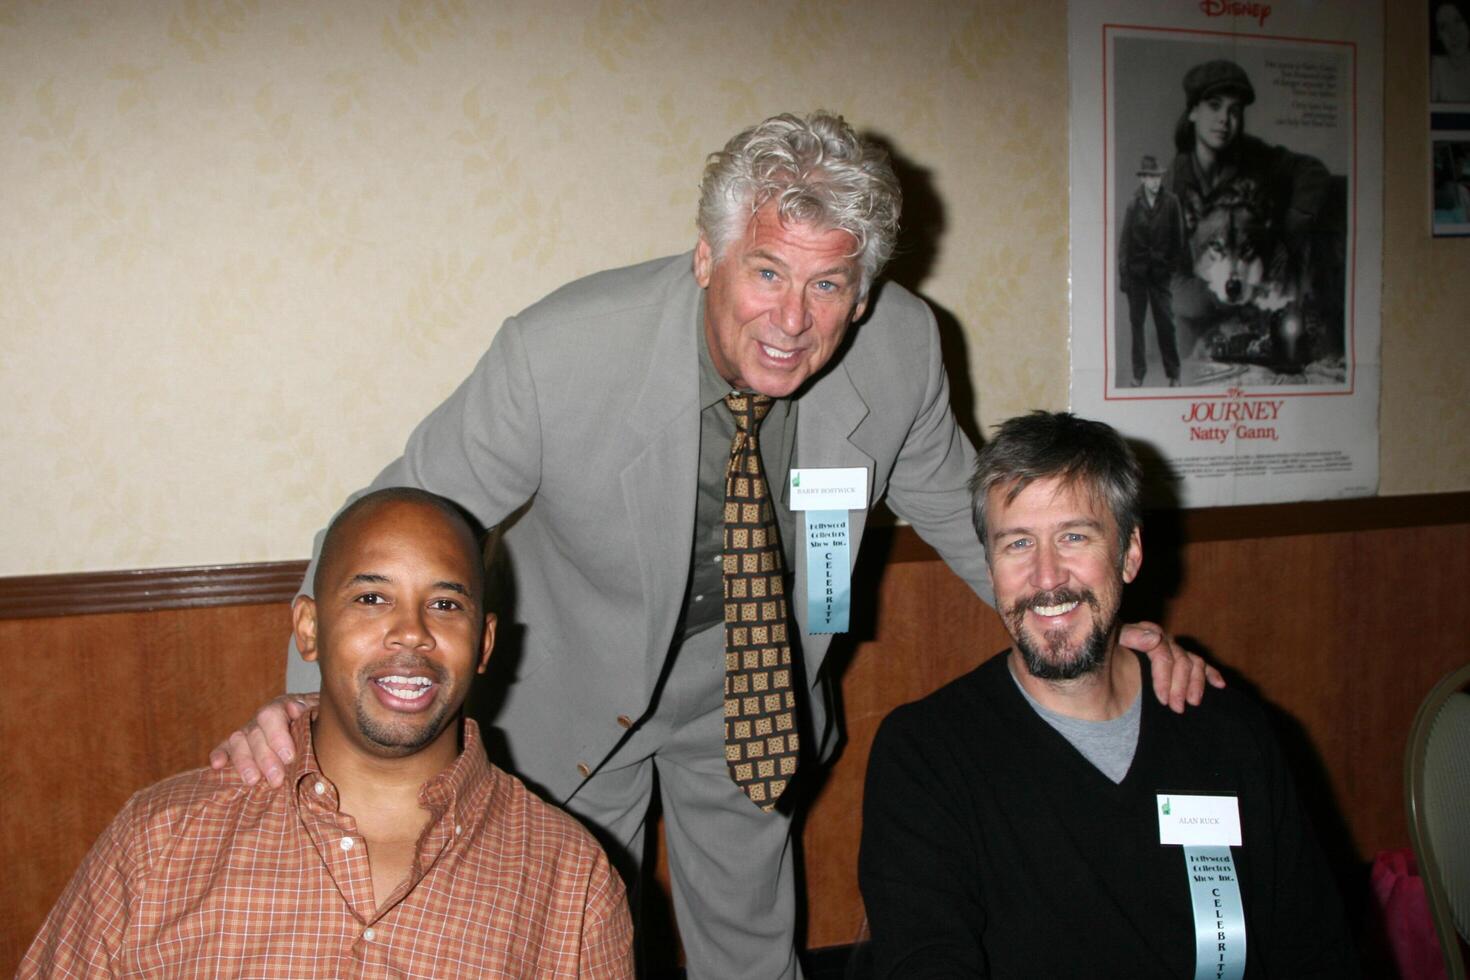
(828, 571)
(1219, 915)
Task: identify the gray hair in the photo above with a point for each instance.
(817, 171)
(1087, 454)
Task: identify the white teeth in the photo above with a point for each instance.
(1065, 607)
(405, 688)
(780, 355)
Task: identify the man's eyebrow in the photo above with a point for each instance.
(845, 270)
(370, 578)
(766, 256)
(453, 587)
(1005, 532)
(1086, 522)
(377, 578)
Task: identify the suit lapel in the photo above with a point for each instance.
(659, 482)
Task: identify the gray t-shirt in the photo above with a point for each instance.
(1108, 745)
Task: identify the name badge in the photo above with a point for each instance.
(1206, 820)
(826, 495)
(829, 488)
(1207, 827)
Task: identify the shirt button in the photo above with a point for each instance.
(719, 559)
(347, 843)
(625, 721)
(320, 788)
(368, 934)
(457, 829)
(699, 598)
(584, 769)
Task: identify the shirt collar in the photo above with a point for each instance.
(461, 788)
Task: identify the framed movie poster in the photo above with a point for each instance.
(1450, 153)
(1226, 225)
(1449, 55)
(1449, 117)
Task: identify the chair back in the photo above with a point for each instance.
(1437, 788)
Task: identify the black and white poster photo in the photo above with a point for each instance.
(1230, 192)
(1451, 183)
(1449, 53)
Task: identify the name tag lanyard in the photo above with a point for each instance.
(1206, 827)
(825, 496)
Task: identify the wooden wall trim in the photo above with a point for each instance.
(148, 589)
(1322, 517)
(144, 590)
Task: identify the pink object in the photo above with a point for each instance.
(1400, 894)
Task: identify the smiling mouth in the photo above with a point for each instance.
(778, 354)
(405, 688)
(1060, 609)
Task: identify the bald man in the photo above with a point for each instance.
(394, 847)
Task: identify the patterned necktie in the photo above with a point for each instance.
(760, 697)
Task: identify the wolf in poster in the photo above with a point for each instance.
(1252, 284)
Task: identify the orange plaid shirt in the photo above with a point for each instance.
(202, 876)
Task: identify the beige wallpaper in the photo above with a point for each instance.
(248, 243)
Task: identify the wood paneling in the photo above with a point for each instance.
(1341, 630)
(97, 707)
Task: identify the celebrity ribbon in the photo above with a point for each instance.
(1219, 914)
(828, 571)
(1207, 827)
(826, 496)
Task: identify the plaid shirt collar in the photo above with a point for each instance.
(462, 788)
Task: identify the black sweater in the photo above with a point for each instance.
(992, 848)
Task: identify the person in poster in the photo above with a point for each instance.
(1451, 196)
(1449, 52)
(1261, 281)
(1149, 250)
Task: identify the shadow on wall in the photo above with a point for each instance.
(919, 240)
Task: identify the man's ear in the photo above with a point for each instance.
(704, 263)
(303, 622)
(487, 643)
(1133, 558)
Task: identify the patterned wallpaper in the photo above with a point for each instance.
(249, 243)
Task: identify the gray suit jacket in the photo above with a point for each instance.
(586, 404)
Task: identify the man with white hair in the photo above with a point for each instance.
(640, 410)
